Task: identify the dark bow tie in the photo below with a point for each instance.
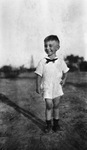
(51, 60)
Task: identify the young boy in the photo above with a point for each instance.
(51, 74)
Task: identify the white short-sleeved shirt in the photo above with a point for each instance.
(51, 74)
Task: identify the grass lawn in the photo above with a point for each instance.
(22, 116)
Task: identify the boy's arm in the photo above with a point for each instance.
(65, 70)
(38, 83)
(64, 76)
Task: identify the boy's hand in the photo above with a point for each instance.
(38, 90)
(62, 82)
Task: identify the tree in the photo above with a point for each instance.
(83, 66)
(74, 62)
(10, 72)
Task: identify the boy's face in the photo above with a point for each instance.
(51, 47)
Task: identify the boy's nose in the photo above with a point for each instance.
(48, 48)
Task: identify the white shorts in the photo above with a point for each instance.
(52, 92)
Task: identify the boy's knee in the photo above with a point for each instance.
(49, 106)
(56, 102)
(56, 106)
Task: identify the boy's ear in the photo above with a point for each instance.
(58, 46)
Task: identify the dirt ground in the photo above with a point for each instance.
(22, 124)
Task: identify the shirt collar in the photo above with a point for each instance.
(49, 58)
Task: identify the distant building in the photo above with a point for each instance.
(32, 63)
(32, 67)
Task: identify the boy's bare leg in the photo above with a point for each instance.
(48, 111)
(56, 126)
(48, 114)
(56, 107)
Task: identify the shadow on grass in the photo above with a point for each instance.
(26, 113)
(79, 85)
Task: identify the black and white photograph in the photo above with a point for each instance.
(43, 75)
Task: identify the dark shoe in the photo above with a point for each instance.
(56, 126)
(48, 128)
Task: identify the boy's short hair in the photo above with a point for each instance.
(51, 38)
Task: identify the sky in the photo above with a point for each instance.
(25, 23)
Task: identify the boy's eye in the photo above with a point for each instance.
(45, 45)
(50, 45)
